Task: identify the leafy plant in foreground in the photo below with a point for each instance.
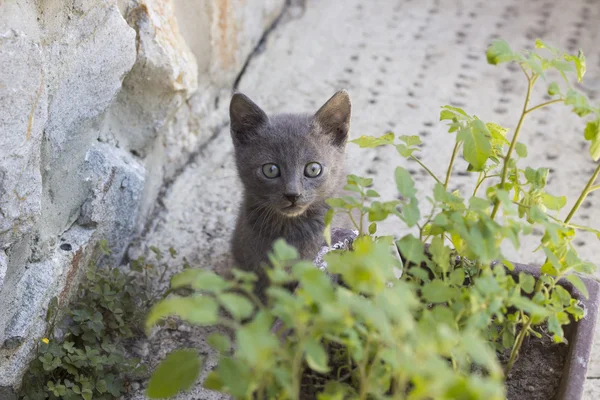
(83, 354)
(436, 331)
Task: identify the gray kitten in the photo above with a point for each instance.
(289, 165)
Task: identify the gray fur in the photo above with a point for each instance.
(289, 141)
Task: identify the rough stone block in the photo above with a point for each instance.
(23, 113)
(86, 59)
(116, 186)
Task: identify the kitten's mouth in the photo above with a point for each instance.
(293, 210)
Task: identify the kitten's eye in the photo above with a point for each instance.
(270, 170)
(313, 169)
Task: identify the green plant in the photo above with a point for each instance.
(83, 355)
(434, 332)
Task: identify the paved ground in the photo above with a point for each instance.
(400, 61)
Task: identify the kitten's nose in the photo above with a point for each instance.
(293, 197)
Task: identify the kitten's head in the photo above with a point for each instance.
(290, 162)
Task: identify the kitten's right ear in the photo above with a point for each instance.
(246, 117)
(334, 117)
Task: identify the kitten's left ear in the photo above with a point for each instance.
(334, 117)
(246, 117)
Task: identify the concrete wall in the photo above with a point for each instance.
(102, 102)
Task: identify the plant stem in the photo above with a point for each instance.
(451, 165)
(595, 187)
(354, 222)
(587, 190)
(513, 143)
(544, 105)
(364, 381)
(426, 169)
(482, 177)
(516, 347)
(297, 371)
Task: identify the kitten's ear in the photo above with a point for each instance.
(246, 117)
(334, 117)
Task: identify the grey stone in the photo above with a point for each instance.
(89, 52)
(163, 77)
(3, 267)
(116, 186)
(7, 393)
(23, 113)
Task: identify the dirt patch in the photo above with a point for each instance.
(537, 372)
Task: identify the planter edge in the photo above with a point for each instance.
(582, 337)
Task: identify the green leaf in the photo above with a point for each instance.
(372, 228)
(371, 141)
(314, 282)
(552, 259)
(239, 306)
(372, 193)
(521, 150)
(539, 44)
(178, 372)
(527, 282)
(412, 249)
(499, 52)
(244, 276)
(316, 357)
(213, 382)
(379, 211)
(579, 102)
(199, 279)
(233, 377)
(157, 252)
(529, 306)
(478, 204)
(404, 150)
(405, 183)
(536, 63)
(255, 343)
(578, 283)
(549, 269)
(595, 149)
(592, 130)
(283, 251)
(337, 203)
(498, 132)
(199, 310)
(219, 342)
(451, 112)
(410, 140)
(579, 63)
(553, 89)
(457, 277)
(477, 147)
(592, 133)
(411, 213)
(362, 182)
(555, 327)
(554, 202)
(438, 292)
(574, 262)
(440, 254)
(561, 66)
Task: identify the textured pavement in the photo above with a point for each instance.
(400, 61)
